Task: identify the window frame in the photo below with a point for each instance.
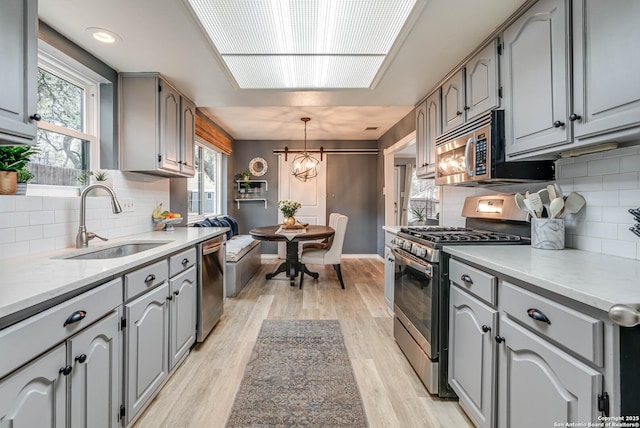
(201, 145)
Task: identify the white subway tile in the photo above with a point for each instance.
(601, 230)
(61, 203)
(586, 184)
(7, 203)
(42, 245)
(14, 219)
(627, 180)
(630, 163)
(28, 233)
(638, 251)
(17, 249)
(630, 198)
(625, 151)
(587, 243)
(29, 203)
(624, 234)
(591, 213)
(41, 217)
(617, 214)
(66, 216)
(565, 161)
(58, 229)
(606, 199)
(68, 241)
(604, 166)
(573, 170)
(619, 248)
(7, 235)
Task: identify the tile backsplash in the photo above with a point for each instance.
(610, 183)
(35, 224)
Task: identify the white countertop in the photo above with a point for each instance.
(392, 229)
(32, 280)
(598, 280)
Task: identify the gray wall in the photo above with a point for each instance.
(400, 130)
(351, 189)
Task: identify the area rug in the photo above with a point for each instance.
(299, 375)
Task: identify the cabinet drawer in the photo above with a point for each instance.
(145, 278)
(388, 238)
(182, 261)
(27, 339)
(574, 330)
(478, 283)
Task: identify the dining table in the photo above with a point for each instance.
(292, 237)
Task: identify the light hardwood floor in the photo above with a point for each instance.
(201, 392)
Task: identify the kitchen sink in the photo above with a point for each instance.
(113, 252)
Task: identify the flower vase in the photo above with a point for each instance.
(8, 182)
(289, 221)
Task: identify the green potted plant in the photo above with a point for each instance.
(418, 214)
(12, 160)
(245, 185)
(24, 176)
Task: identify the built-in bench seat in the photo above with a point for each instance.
(243, 255)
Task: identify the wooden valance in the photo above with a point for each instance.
(208, 134)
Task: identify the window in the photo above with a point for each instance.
(423, 199)
(67, 133)
(204, 189)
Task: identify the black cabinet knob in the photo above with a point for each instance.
(185, 261)
(81, 358)
(169, 297)
(486, 328)
(458, 113)
(500, 339)
(467, 108)
(573, 117)
(75, 317)
(466, 279)
(150, 278)
(558, 124)
(177, 292)
(36, 117)
(66, 370)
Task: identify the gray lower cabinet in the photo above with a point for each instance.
(389, 276)
(183, 289)
(18, 68)
(147, 338)
(541, 385)
(472, 356)
(34, 396)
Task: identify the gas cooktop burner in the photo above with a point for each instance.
(436, 234)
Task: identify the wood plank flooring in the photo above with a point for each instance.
(201, 392)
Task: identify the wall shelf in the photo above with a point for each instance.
(251, 190)
(251, 200)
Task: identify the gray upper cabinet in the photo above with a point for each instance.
(431, 123)
(540, 385)
(157, 126)
(606, 59)
(536, 78)
(453, 101)
(481, 82)
(18, 68)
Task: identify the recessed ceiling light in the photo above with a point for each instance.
(306, 44)
(103, 35)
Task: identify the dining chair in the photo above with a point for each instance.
(330, 255)
(327, 241)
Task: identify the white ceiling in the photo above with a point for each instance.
(163, 36)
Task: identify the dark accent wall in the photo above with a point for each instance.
(400, 130)
(351, 189)
(108, 92)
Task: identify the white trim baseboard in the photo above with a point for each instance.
(268, 258)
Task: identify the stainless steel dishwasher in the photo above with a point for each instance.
(212, 255)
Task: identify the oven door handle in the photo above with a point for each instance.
(467, 151)
(411, 263)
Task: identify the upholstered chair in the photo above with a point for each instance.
(330, 255)
(325, 242)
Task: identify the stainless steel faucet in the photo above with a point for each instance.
(83, 237)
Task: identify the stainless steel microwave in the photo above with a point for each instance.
(473, 154)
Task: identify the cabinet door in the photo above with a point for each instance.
(95, 355)
(183, 288)
(389, 267)
(481, 89)
(18, 68)
(35, 395)
(540, 384)
(170, 114)
(536, 79)
(422, 161)
(453, 102)
(188, 136)
(606, 60)
(432, 130)
(472, 360)
(147, 336)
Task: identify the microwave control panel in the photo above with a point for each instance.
(481, 154)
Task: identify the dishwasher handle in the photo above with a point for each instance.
(212, 249)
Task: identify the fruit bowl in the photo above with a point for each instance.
(168, 222)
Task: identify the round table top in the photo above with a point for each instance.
(268, 233)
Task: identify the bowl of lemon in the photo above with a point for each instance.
(167, 218)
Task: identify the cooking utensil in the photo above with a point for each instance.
(521, 203)
(558, 190)
(556, 207)
(574, 203)
(552, 192)
(544, 196)
(535, 203)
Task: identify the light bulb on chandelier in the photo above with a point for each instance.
(304, 166)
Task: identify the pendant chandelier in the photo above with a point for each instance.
(304, 166)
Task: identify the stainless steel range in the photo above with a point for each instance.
(421, 285)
